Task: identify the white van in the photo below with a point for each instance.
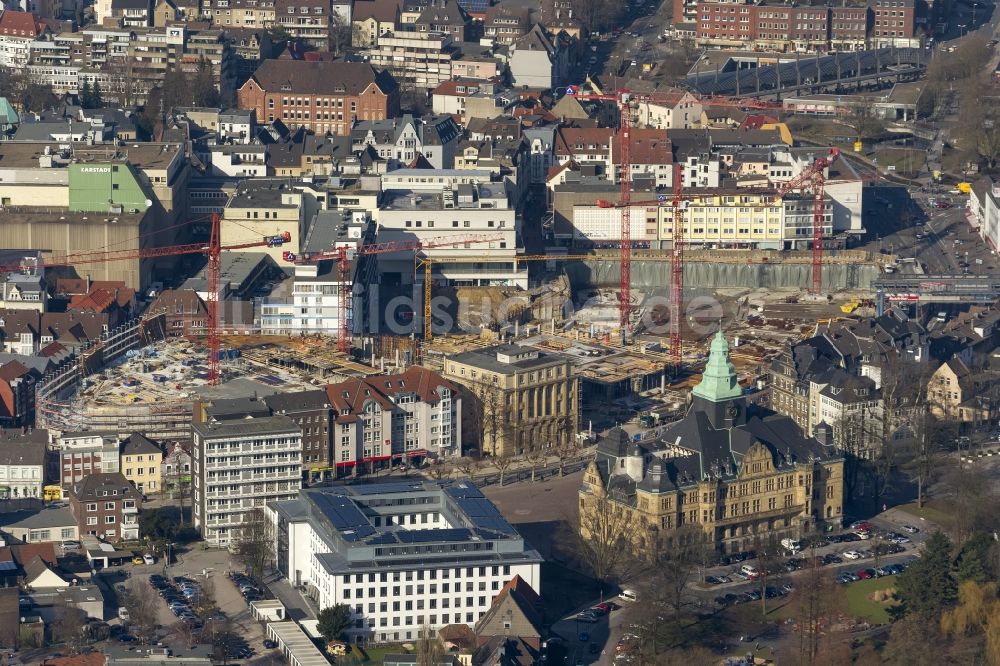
(627, 595)
(123, 614)
(791, 544)
(749, 570)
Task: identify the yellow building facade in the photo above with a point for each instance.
(744, 477)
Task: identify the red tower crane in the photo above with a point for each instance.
(344, 254)
(814, 176)
(625, 99)
(213, 250)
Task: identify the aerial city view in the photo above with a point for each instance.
(499, 332)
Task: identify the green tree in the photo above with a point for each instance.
(333, 621)
(973, 559)
(278, 34)
(97, 100)
(86, 95)
(927, 586)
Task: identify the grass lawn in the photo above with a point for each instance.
(906, 160)
(376, 655)
(929, 512)
(858, 603)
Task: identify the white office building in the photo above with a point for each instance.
(241, 465)
(403, 556)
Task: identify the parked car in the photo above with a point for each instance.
(713, 580)
(864, 574)
(148, 559)
(911, 529)
(270, 645)
(852, 555)
(846, 538)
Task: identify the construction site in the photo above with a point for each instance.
(154, 389)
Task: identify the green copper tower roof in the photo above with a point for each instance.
(718, 384)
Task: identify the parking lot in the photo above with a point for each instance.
(195, 579)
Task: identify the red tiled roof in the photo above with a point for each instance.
(12, 370)
(559, 168)
(20, 24)
(351, 395)
(51, 349)
(573, 140)
(96, 658)
(649, 146)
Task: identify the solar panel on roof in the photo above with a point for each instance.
(477, 6)
(380, 488)
(344, 515)
(430, 536)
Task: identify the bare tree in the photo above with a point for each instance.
(491, 415)
(340, 33)
(468, 466)
(502, 463)
(439, 471)
(534, 458)
(255, 543)
(608, 534)
(429, 648)
(206, 597)
(70, 625)
(141, 606)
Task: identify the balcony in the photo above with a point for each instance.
(130, 511)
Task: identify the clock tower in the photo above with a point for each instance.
(718, 394)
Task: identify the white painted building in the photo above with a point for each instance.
(403, 556)
(22, 465)
(313, 306)
(241, 465)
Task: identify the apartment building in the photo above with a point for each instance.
(308, 20)
(320, 96)
(806, 26)
(17, 31)
(239, 13)
(421, 204)
(17, 394)
(313, 307)
(242, 465)
(106, 505)
(737, 474)
(417, 59)
(444, 16)
(383, 419)
(311, 411)
(504, 23)
(83, 454)
(893, 23)
(402, 556)
(524, 400)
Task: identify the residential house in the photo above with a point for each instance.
(48, 524)
(175, 471)
(321, 96)
(141, 459)
(537, 60)
(372, 18)
(17, 394)
(511, 631)
(443, 16)
(106, 505)
(22, 462)
(400, 141)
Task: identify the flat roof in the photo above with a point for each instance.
(264, 425)
(299, 648)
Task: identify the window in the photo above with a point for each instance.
(92, 520)
(92, 506)
(109, 520)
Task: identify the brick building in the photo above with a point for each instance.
(812, 25)
(321, 96)
(311, 411)
(106, 505)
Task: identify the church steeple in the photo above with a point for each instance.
(719, 383)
